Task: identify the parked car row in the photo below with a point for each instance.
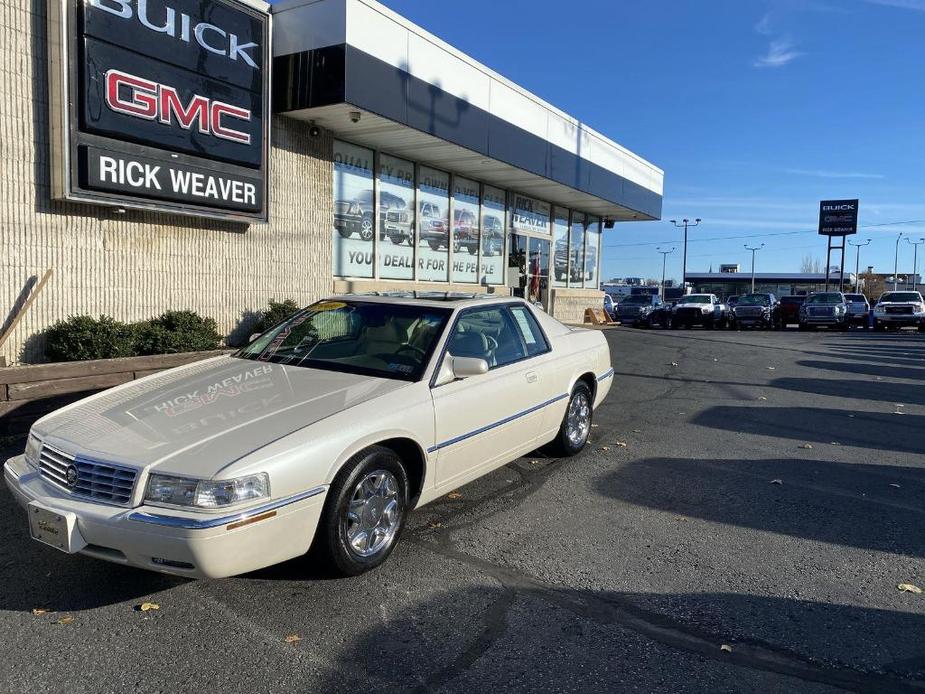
(767, 311)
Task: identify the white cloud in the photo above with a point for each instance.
(781, 52)
(765, 25)
(918, 5)
(822, 173)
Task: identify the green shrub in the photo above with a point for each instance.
(277, 312)
(79, 338)
(177, 331)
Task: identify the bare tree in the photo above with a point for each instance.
(809, 264)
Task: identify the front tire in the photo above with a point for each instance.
(364, 514)
(576, 424)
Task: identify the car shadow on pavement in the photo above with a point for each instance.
(872, 507)
(815, 425)
(545, 638)
(866, 369)
(58, 581)
(882, 391)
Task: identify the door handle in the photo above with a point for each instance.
(531, 377)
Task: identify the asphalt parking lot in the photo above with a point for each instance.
(741, 521)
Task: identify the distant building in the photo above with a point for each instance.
(731, 267)
(780, 283)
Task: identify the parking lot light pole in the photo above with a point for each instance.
(665, 255)
(857, 264)
(915, 262)
(753, 250)
(685, 223)
(896, 263)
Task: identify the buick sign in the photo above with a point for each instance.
(838, 217)
(162, 104)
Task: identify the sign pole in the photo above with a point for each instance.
(828, 262)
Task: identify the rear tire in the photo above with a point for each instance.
(370, 495)
(576, 423)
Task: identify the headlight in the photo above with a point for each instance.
(706, 309)
(879, 309)
(182, 491)
(33, 449)
(839, 309)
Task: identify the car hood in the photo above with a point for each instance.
(198, 418)
(691, 304)
(899, 303)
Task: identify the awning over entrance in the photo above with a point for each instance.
(420, 98)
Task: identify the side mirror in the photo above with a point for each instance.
(454, 368)
(253, 337)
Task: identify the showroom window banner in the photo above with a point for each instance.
(576, 273)
(592, 250)
(491, 268)
(433, 225)
(465, 231)
(396, 218)
(529, 215)
(560, 247)
(354, 210)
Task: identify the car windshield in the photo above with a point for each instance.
(695, 299)
(825, 298)
(367, 338)
(858, 298)
(754, 300)
(894, 297)
(637, 299)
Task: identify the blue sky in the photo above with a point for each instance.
(755, 109)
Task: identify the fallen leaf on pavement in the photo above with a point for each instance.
(726, 648)
(909, 588)
(435, 524)
(894, 485)
(293, 638)
(39, 611)
(637, 431)
(681, 518)
(761, 397)
(595, 426)
(777, 481)
(147, 607)
(621, 444)
(454, 495)
(66, 620)
(807, 446)
(674, 363)
(605, 448)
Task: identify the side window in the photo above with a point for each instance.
(487, 334)
(529, 331)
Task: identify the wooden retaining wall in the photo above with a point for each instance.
(28, 392)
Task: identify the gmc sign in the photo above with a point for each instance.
(162, 104)
(838, 217)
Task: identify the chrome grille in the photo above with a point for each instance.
(822, 311)
(749, 311)
(105, 482)
(899, 309)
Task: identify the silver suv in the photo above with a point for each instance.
(858, 309)
(898, 310)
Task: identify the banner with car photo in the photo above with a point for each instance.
(433, 225)
(465, 230)
(492, 236)
(396, 218)
(354, 211)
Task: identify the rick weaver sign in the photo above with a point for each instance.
(162, 104)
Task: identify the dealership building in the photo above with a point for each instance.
(215, 155)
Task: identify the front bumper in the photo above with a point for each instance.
(823, 320)
(902, 319)
(196, 545)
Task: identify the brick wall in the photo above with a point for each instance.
(135, 265)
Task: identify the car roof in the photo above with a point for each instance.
(444, 299)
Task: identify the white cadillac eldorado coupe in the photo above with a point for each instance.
(322, 434)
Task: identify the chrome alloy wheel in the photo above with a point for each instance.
(578, 419)
(373, 514)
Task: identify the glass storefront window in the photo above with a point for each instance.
(396, 218)
(538, 268)
(491, 268)
(354, 211)
(433, 225)
(465, 267)
(577, 251)
(592, 251)
(529, 215)
(560, 247)
(517, 260)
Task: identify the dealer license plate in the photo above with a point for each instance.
(57, 529)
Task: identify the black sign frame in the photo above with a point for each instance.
(202, 177)
(838, 217)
